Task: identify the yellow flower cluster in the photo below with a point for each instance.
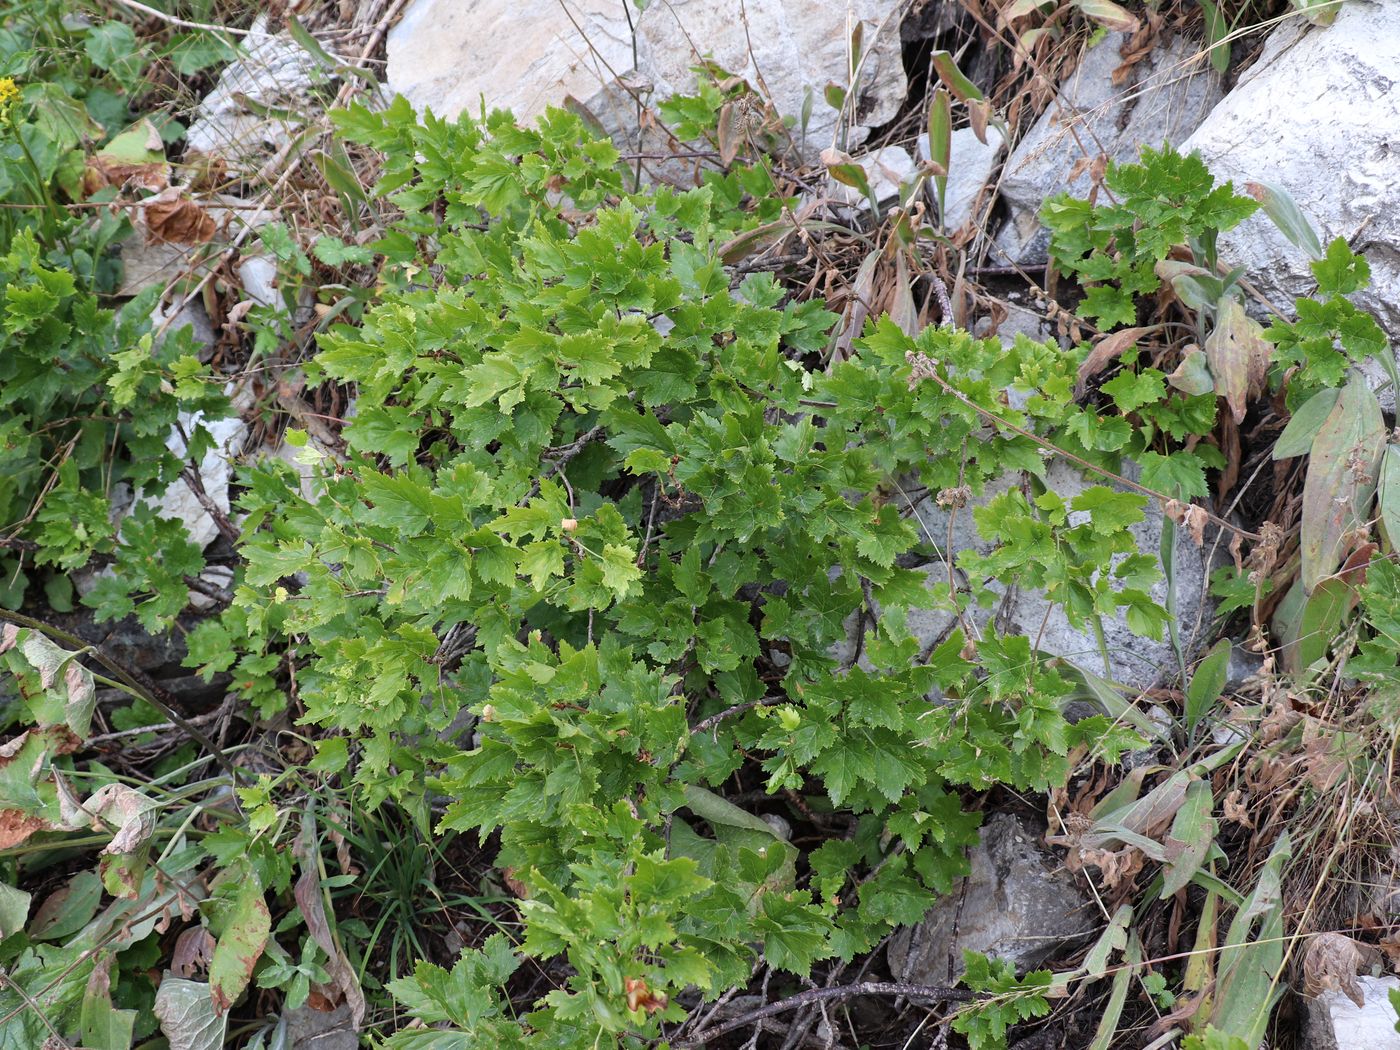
(9, 95)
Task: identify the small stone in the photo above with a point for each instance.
(259, 276)
(886, 171)
(309, 1029)
(1019, 904)
(971, 163)
(1337, 1023)
(215, 469)
(216, 576)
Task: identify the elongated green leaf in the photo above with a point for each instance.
(1248, 985)
(240, 944)
(1298, 436)
(1283, 211)
(1341, 479)
(954, 78)
(1113, 939)
(940, 142)
(1188, 842)
(103, 1026)
(1309, 631)
(1118, 995)
(716, 810)
(1388, 494)
(1207, 683)
(1217, 31)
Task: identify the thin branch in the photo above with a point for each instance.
(730, 712)
(823, 995)
(182, 23)
(134, 680)
(924, 368)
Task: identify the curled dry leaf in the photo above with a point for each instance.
(175, 219)
(1332, 963)
(127, 810)
(640, 997)
(311, 902)
(1236, 810)
(1106, 351)
(193, 951)
(135, 159)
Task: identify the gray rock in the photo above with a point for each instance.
(259, 276)
(522, 55)
(526, 55)
(1317, 114)
(215, 470)
(218, 576)
(1165, 98)
(1337, 1023)
(191, 315)
(1132, 660)
(971, 163)
(1019, 904)
(793, 47)
(309, 1029)
(1243, 665)
(274, 72)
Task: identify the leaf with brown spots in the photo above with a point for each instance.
(1238, 356)
(1341, 479)
(240, 944)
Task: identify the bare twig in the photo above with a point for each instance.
(195, 482)
(133, 679)
(181, 22)
(823, 995)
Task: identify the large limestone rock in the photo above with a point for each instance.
(526, 55)
(1317, 114)
(1019, 904)
(1164, 98)
(791, 47)
(522, 55)
(1132, 660)
(1337, 1023)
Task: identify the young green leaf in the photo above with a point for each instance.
(1207, 683)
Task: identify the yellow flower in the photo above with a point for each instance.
(9, 95)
